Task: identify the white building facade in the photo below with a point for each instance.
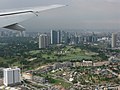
(114, 40)
(11, 76)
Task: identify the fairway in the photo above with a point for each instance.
(69, 53)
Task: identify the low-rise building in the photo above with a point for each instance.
(27, 76)
(87, 63)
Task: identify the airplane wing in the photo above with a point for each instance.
(11, 19)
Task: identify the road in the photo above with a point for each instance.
(113, 72)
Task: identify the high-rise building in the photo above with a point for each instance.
(23, 33)
(114, 40)
(58, 37)
(43, 41)
(11, 76)
(53, 37)
(65, 37)
(94, 37)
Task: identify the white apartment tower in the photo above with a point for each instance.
(114, 40)
(11, 76)
(43, 41)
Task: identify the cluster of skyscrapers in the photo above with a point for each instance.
(12, 33)
(46, 39)
(62, 37)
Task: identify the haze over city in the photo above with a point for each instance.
(59, 45)
(91, 15)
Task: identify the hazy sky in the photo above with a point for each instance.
(80, 14)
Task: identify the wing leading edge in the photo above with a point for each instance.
(11, 19)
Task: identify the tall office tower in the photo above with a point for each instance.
(43, 41)
(65, 37)
(53, 37)
(94, 37)
(76, 38)
(62, 36)
(23, 33)
(58, 37)
(114, 40)
(11, 76)
(49, 38)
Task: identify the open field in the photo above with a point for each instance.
(69, 53)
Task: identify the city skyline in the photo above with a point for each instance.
(59, 45)
(30, 60)
(94, 15)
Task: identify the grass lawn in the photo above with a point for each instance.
(57, 81)
(72, 54)
(34, 52)
(76, 57)
(62, 83)
(69, 53)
